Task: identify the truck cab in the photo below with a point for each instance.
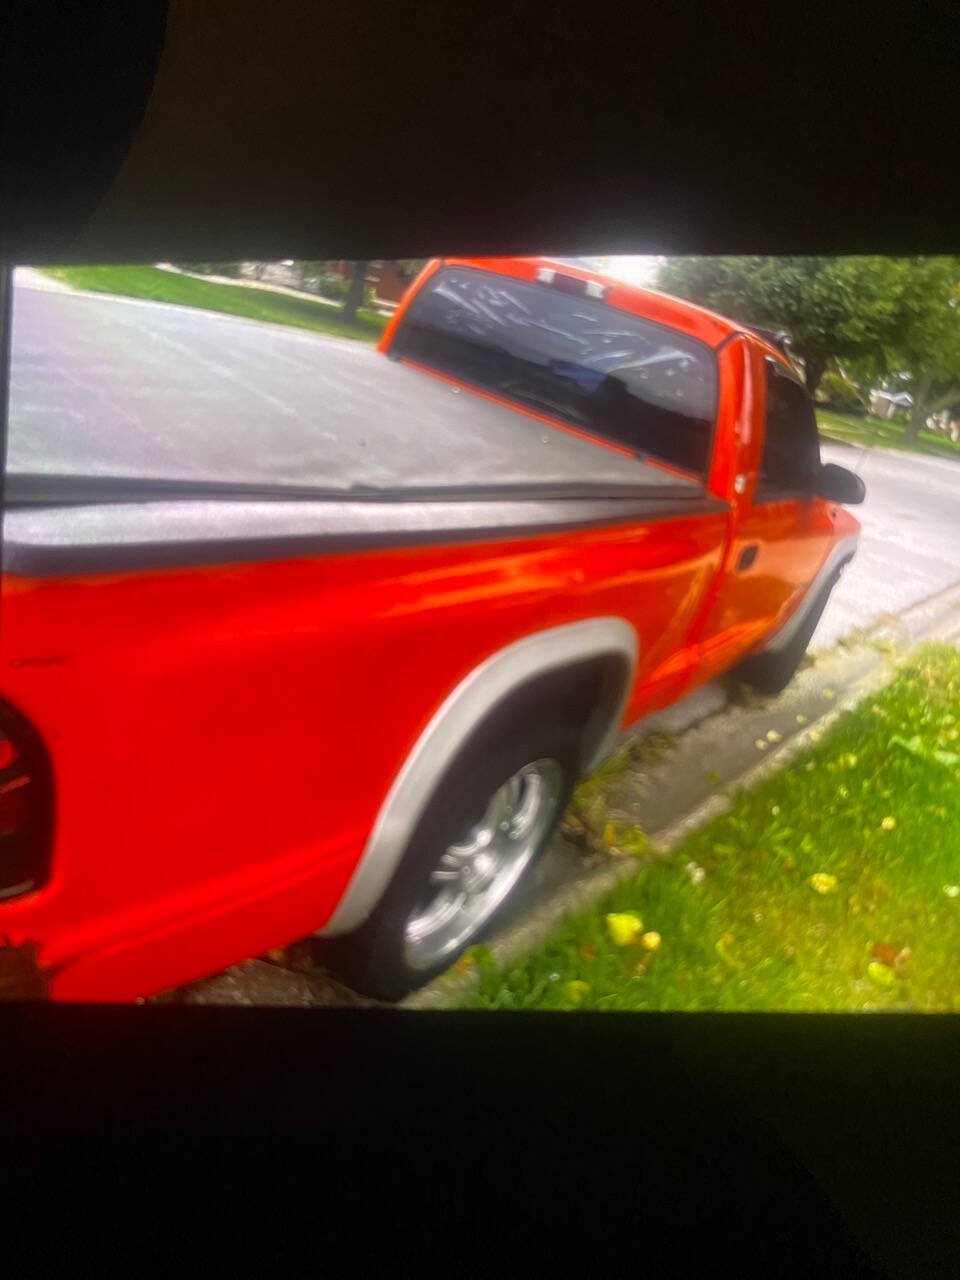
(685, 389)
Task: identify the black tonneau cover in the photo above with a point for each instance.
(118, 387)
(108, 388)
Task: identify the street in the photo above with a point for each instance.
(910, 545)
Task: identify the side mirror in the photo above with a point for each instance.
(837, 484)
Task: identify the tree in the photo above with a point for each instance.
(407, 268)
(832, 307)
(926, 339)
(354, 298)
(310, 272)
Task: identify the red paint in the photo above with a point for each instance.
(222, 738)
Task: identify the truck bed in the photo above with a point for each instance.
(106, 389)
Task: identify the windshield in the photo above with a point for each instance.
(610, 372)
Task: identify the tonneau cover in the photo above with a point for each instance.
(120, 387)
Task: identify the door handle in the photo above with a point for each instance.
(747, 557)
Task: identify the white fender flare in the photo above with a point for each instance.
(489, 683)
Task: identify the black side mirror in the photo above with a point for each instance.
(837, 484)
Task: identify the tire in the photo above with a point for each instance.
(770, 673)
(381, 959)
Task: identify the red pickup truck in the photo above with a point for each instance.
(300, 637)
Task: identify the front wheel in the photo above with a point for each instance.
(490, 817)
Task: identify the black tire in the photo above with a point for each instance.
(372, 959)
(770, 673)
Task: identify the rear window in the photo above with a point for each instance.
(612, 373)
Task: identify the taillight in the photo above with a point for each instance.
(26, 806)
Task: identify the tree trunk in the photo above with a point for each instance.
(354, 298)
(814, 368)
(919, 410)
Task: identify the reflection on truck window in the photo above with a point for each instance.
(791, 449)
(576, 358)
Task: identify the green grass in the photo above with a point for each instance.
(873, 808)
(875, 433)
(234, 300)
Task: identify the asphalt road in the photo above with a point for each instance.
(910, 545)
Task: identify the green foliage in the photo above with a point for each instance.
(880, 315)
(834, 885)
(842, 394)
(254, 303)
(333, 287)
(228, 269)
(831, 306)
(926, 338)
(874, 433)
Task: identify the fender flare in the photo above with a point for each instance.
(495, 679)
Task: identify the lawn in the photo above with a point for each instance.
(875, 433)
(234, 300)
(834, 885)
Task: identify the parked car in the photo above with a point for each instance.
(300, 637)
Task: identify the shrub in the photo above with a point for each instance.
(333, 287)
(840, 393)
(210, 268)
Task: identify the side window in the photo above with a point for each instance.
(791, 447)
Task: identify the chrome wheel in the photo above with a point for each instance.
(474, 875)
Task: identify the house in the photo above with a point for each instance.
(884, 404)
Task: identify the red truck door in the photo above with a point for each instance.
(780, 532)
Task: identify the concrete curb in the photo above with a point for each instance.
(936, 618)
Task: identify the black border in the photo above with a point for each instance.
(768, 1145)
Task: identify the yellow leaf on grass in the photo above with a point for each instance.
(722, 947)
(823, 882)
(651, 940)
(577, 990)
(624, 928)
(888, 824)
(880, 974)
